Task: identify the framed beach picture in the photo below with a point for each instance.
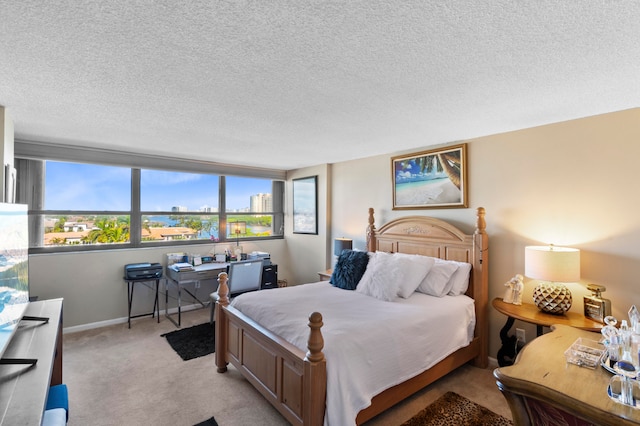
(430, 179)
(305, 205)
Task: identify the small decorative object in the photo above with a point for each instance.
(623, 388)
(634, 316)
(555, 265)
(595, 307)
(610, 328)
(513, 294)
(552, 298)
(585, 353)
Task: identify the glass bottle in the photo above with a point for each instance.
(625, 341)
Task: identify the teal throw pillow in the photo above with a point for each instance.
(349, 269)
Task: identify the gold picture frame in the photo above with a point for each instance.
(430, 179)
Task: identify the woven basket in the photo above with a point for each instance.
(552, 298)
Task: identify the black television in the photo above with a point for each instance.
(14, 269)
(244, 276)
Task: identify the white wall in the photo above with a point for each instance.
(92, 284)
(572, 183)
(308, 254)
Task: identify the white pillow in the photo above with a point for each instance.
(391, 275)
(414, 269)
(437, 280)
(380, 279)
(460, 279)
(368, 272)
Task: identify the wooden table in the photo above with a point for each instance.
(530, 313)
(542, 380)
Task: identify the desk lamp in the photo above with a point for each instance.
(238, 228)
(555, 266)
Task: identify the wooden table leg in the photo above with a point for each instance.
(507, 352)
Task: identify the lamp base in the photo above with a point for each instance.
(552, 298)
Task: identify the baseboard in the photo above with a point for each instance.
(100, 324)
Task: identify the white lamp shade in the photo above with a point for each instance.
(550, 263)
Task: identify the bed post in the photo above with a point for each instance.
(220, 323)
(315, 374)
(481, 286)
(371, 232)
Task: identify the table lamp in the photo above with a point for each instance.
(340, 244)
(238, 228)
(554, 266)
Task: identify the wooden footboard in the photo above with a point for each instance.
(295, 382)
(292, 381)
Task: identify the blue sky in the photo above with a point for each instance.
(74, 186)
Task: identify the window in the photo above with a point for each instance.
(94, 206)
(249, 208)
(177, 206)
(85, 204)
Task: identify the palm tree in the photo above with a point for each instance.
(448, 162)
(109, 231)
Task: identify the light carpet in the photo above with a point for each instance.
(132, 377)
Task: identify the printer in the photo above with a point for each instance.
(266, 257)
(141, 271)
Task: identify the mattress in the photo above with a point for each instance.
(370, 344)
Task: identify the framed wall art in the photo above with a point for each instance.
(305, 205)
(430, 179)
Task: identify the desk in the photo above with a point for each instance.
(23, 388)
(206, 271)
(130, 286)
(530, 313)
(542, 381)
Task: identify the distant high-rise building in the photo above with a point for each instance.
(261, 203)
(208, 209)
(179, 209)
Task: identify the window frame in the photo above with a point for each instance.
(27, 150)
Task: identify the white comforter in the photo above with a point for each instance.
(370, 345)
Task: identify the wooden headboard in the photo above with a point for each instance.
(436, 238)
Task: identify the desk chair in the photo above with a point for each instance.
(244, 276)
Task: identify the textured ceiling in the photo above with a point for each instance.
(287, 84)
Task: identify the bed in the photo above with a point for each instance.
(297, 379)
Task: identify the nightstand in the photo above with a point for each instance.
(530, 313)
(325, 275)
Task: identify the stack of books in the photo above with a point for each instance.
(182, 266)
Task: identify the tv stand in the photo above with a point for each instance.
(39, 319)
(24, 361)
(19, 361)
(24, 390)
